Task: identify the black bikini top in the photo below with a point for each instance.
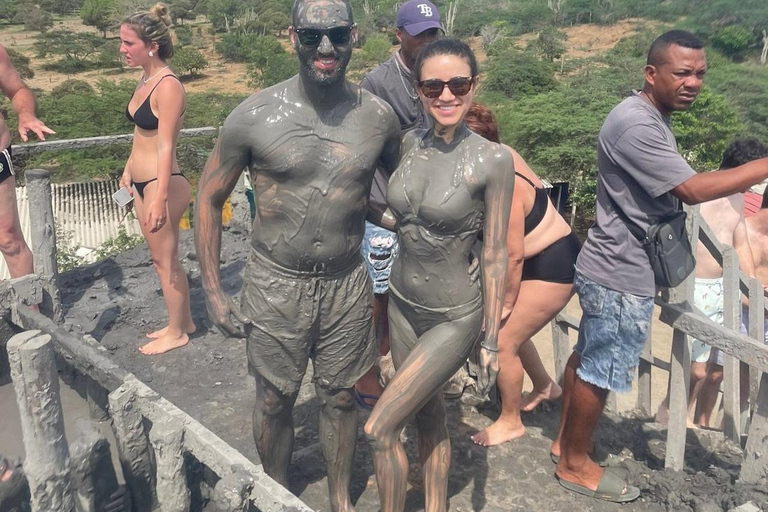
(540, 203)
(143, 117)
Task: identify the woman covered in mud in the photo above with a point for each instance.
(161, 192)
(538, 288)
(450, 184)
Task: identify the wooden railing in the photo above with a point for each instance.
(688, 322)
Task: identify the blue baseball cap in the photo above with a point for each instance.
(416, 16)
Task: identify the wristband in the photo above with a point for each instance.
(489, 349)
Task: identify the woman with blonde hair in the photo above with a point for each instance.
(161, 192)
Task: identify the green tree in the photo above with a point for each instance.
(21, 63)
(733, 41)
(34, 18)
(189, 61)
(78, 50)
(549, 44)
(376, 49)
(101, 14)
(181, 10)
(515, 73)
(704, 131)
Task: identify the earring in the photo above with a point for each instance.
(151, 53)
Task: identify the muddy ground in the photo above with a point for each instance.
(118, 301)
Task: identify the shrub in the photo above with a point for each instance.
(34, 18)
(376, 49)
(549, 44)
(516, 73)
(71, 86)
(733, 41)
(121, 243)
(276, 68)
(183, 35)
(21, 63)
(189, 61)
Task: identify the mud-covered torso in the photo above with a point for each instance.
(311, 177)
(437, 195)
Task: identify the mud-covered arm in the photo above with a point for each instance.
(499, 190)
(390, 157)
(225, 165)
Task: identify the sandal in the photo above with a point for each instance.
(598, 455)
(610, 488)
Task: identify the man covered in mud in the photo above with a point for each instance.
(312, 144)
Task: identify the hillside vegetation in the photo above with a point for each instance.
(551, 69)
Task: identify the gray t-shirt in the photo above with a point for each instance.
(638, 165)
(392, 81)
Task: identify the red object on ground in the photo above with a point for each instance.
(752, 203)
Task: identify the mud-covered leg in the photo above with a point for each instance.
(338, 436)
(434, 452)
(273, 429)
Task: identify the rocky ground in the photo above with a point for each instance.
(118, 301)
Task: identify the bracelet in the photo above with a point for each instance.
(489, 349)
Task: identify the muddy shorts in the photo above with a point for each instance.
(6, 164)
(301, 315)
(379, 250)
(613, 330)
(708, 297)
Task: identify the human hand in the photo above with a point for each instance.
(506, 311)
(220, 307)
(28, 122)
(157, 213)
(126, 181)
(119, 501)
(488, 365)
(474, 268)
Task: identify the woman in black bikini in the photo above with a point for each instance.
(450, 184)
(545, 280)
(162, 193)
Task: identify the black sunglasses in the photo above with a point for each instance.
(459, 86)
(313, 36)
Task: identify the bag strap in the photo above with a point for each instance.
(636, 230)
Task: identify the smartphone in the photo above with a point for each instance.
(122, 197)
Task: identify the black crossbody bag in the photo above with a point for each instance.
(667, 246)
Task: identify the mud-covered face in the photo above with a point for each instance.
(323, 35)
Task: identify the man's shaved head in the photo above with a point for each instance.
(658, 52)
(321, 12)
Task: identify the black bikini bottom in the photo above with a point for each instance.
(554, 264)
(141, 184)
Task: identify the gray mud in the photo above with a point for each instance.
(118, 301)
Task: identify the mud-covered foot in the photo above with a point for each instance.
(164, 344)
(498, 433)
(532, 400)
(161, 332)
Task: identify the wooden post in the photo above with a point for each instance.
(680, 368)
(136, 456)
(93, 477)
(756, 331)
(36, 382)
(231, 492)
(644, 367)
(44, 240)
(731, 320)
(755, 465)
(167, 437)
(562, 348)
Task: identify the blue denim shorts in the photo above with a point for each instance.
(614, 328)
(379, 250)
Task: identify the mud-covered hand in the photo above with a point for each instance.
(474, 268)
(488, 365)
(119, 501)
(30, 123)
(157, 214)
(221, 309)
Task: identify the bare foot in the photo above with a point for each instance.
(662, 417)
(161, 332)
(498, 433)
(164, 344)
(532, 400)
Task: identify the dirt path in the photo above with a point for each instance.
(209, 380)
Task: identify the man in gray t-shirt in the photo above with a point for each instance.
(418, 23)
(640, 172)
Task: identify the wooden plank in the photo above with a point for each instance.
(755, 465)
(732, 321)
(644, 388)
(562, 348)
(757, 332)
(678, 401)
(733, 343)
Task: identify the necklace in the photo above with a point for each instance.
(145, 80)
(413, 97)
